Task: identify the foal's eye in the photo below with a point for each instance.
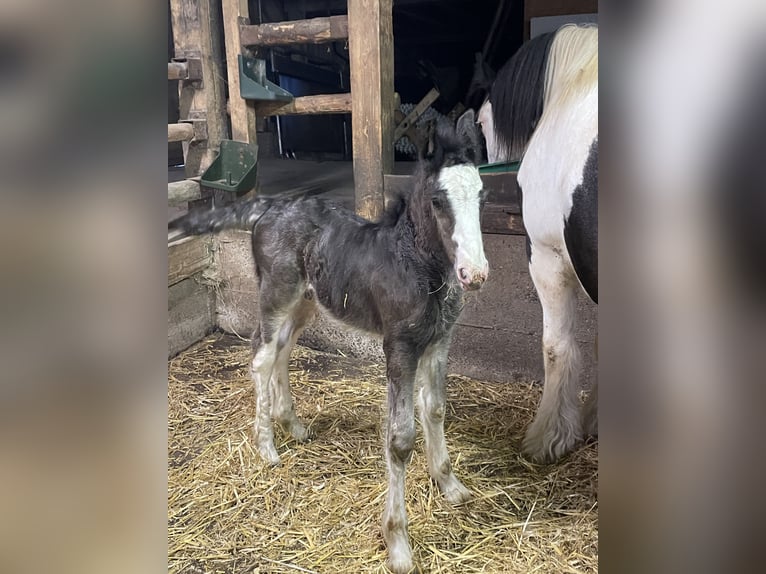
(437, 202)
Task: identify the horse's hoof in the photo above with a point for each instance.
(546, 444)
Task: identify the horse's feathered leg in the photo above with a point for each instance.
(557, 426)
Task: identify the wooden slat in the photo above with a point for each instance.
(180, 132)
(188, 256)
(304, 105)
(416, 112)
(371, 54)
(177, 71)
(311, 31)
(236, 13)
(180, 192)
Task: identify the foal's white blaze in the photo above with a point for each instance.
(462, 185)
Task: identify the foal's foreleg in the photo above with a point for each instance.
(432, 403)
(400, 440)
(557, 427)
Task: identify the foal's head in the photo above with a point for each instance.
(453, 196)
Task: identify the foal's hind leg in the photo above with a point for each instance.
(557, 426)
(264, 355)
(282, 409)
(432, 401)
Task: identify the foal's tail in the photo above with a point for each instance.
(240, 215)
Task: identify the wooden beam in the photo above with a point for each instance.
(540, 8)
(177, 71)
(181, 192)
(312, 31)
(235, 14)
(188, 256)
(371, 53)
(180, 132)
(305, 105)
(196, 38)
(416, 112)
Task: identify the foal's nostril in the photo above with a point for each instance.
(463, 273)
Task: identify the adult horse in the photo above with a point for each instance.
(542, 109)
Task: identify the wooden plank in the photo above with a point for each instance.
(196, 37)
(181, 192)
(500, 219)
(180, 132)
(501, 186)
(235, 14)
(416, 112)
(371, 53)
(304, 105)
(191, 313)
(311, 31)
(187, 257)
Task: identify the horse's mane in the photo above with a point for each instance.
(566, 59)
(517, 96)
(572, 62)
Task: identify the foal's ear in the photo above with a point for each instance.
(468, 131)
(431, 147)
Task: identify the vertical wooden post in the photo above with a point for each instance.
(371, 52)
(236, 12)
(195, 35)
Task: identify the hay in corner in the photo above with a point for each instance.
(320, 510)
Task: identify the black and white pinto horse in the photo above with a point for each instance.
(402, 277)
(542, 109)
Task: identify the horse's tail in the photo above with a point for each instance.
(240, 215)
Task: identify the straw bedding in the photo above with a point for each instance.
(320, 510)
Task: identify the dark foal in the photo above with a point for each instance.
(402, 277)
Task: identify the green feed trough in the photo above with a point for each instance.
(499, 167)
(234, 169)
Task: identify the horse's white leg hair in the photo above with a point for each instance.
(432, 402)
(590, 412)
(282, 409)
(400, 440)
(557, 426)
(262, 368)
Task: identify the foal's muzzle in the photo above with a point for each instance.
(471, 279)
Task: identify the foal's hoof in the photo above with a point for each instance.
(300, 433)
(401, 564)
(269, 455)
(455, 493)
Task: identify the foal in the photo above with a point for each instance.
(402, 277)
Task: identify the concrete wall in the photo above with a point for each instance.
(497, 339)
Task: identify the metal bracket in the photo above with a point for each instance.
(253, 84)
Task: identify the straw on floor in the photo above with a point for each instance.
(320, 510)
